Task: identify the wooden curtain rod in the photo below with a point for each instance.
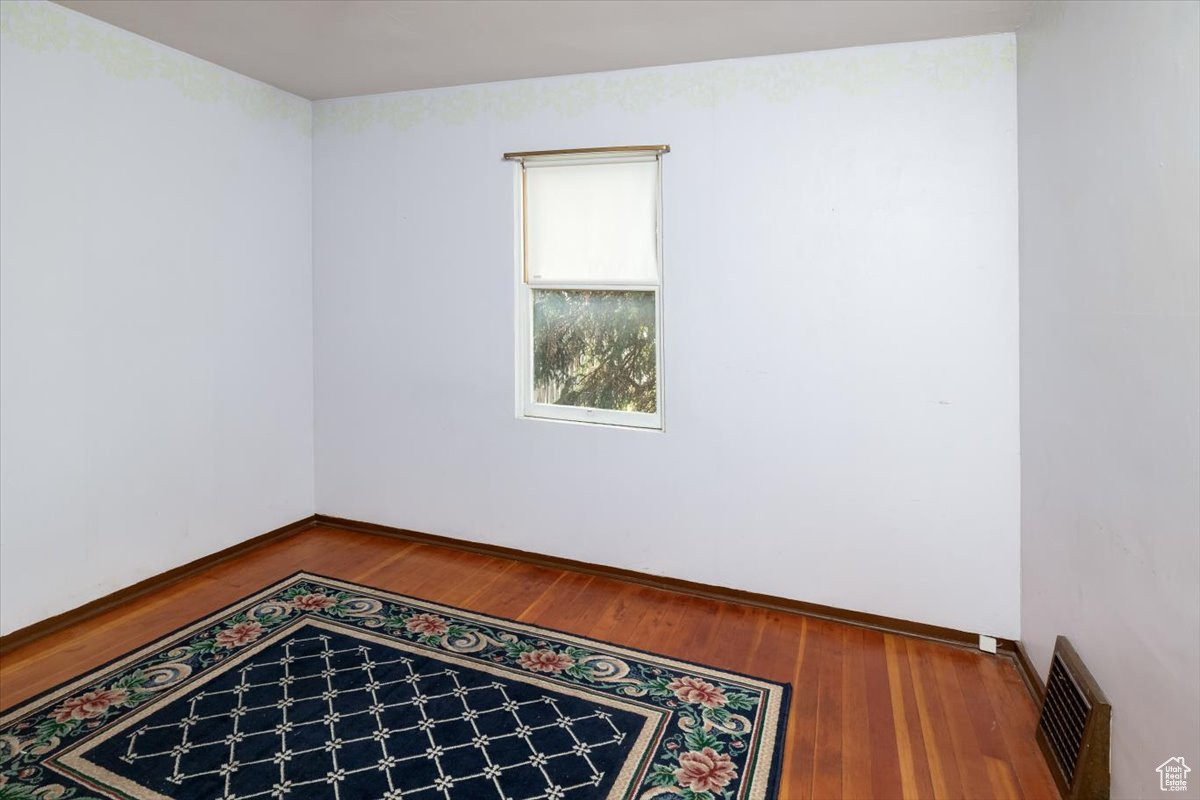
(655, 148)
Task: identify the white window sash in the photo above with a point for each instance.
(605, 416)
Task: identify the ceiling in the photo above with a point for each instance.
(337, 48)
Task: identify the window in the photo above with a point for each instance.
(589, 291)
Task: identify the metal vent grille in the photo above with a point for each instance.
(1064, 717)
(1074, 725)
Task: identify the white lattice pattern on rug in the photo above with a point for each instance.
(336, 689)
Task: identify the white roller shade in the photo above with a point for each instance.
(592, 222)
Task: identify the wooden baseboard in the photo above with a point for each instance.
(1014, 650)
(1029, 673)
(858, 618)
(37, 630)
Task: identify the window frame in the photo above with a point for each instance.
(527, 408)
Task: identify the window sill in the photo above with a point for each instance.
(593, 417)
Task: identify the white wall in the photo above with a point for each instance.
(840, 327)
(1110, 364)
(155, 309)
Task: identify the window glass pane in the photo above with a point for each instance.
(592, 222)
(594, 349)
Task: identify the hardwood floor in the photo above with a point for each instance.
(873, 715)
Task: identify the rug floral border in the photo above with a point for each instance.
(726, 729)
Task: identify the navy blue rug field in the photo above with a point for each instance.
(315, 688)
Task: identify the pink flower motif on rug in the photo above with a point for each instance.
(715, 728)
(705, 771)
(694, 690)
(545, 661)
(313, 602)
(240, 634)
(426, 625)
(90, 705)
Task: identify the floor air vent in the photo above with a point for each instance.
(1073, 727)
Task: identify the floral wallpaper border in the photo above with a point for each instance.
(44, 27)
(947, 65)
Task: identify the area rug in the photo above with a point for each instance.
(317, 688)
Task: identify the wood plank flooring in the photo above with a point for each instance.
(873, 715)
